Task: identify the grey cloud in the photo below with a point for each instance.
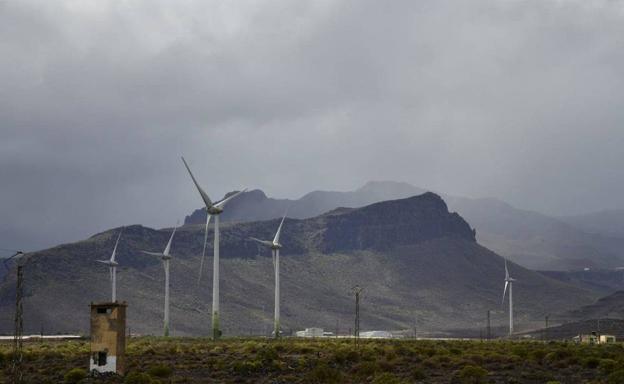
(518, 100)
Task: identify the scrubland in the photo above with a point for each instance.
(197, 360)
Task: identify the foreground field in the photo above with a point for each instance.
(157, 360)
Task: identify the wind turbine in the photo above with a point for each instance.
(112, 268)
(509, 281)
(275, 248)
(212, 210)
(165, 257)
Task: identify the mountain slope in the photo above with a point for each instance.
(537, 241)
(610, 306)
(607, 223)
(528, 238)
(417, 261)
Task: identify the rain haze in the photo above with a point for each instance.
(518, 100)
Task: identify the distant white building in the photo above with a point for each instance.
(376, 335)
(594, 338)
(310, 332)
(607, 339)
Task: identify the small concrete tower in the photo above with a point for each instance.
(108, 337)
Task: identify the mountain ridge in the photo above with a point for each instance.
(532, 239)
(425, 267)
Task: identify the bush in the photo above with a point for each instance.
(75, 375)
(366, 368)
(591, 362)
(137, 378)
(324, 374)
(616, 377)
(267, 355)
(607, 366)
(387, 378)
(418, 373)
(246, 367)
(160, 371)
(471, 374)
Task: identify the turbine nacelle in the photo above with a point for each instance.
(275, 244)
(165, 254)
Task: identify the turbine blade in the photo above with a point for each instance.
(273, 257)
(263, 242)
(168, 247)
(110, 274)
(103, 261)
(116, 243)
(152, 253)
(201, 264)
(506, 271)
(222, 203)
(203, 194)
(279, 231)
(505, 292)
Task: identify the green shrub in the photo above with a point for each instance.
(344, 355)
(387, 378)
(267, 355)
(607, 366)
(616, 377)
(160, 371)
(418, 373)
(137, 378)
(537, 355)
(471, 374)
(591, 362)
(553, 382)
(325, 374)
(246, 367)
(75, 375)
(367, 368)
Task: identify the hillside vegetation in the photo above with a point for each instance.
(152, 360)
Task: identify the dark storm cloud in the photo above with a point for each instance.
(519, 100)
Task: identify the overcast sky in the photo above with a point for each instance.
(520, 100)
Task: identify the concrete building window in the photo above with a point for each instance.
(101, 358)
(104, 310)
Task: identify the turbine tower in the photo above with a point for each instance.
(112, 268)
(509, 281)
(165, 257)
(212, 210)
(275, 249)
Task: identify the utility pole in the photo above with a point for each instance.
(357, 290)
(16, 366)
(489, 326)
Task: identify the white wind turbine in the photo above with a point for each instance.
(275, 249)
(112, 267)
(212, 210)
(165, 257)
(509, 281)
